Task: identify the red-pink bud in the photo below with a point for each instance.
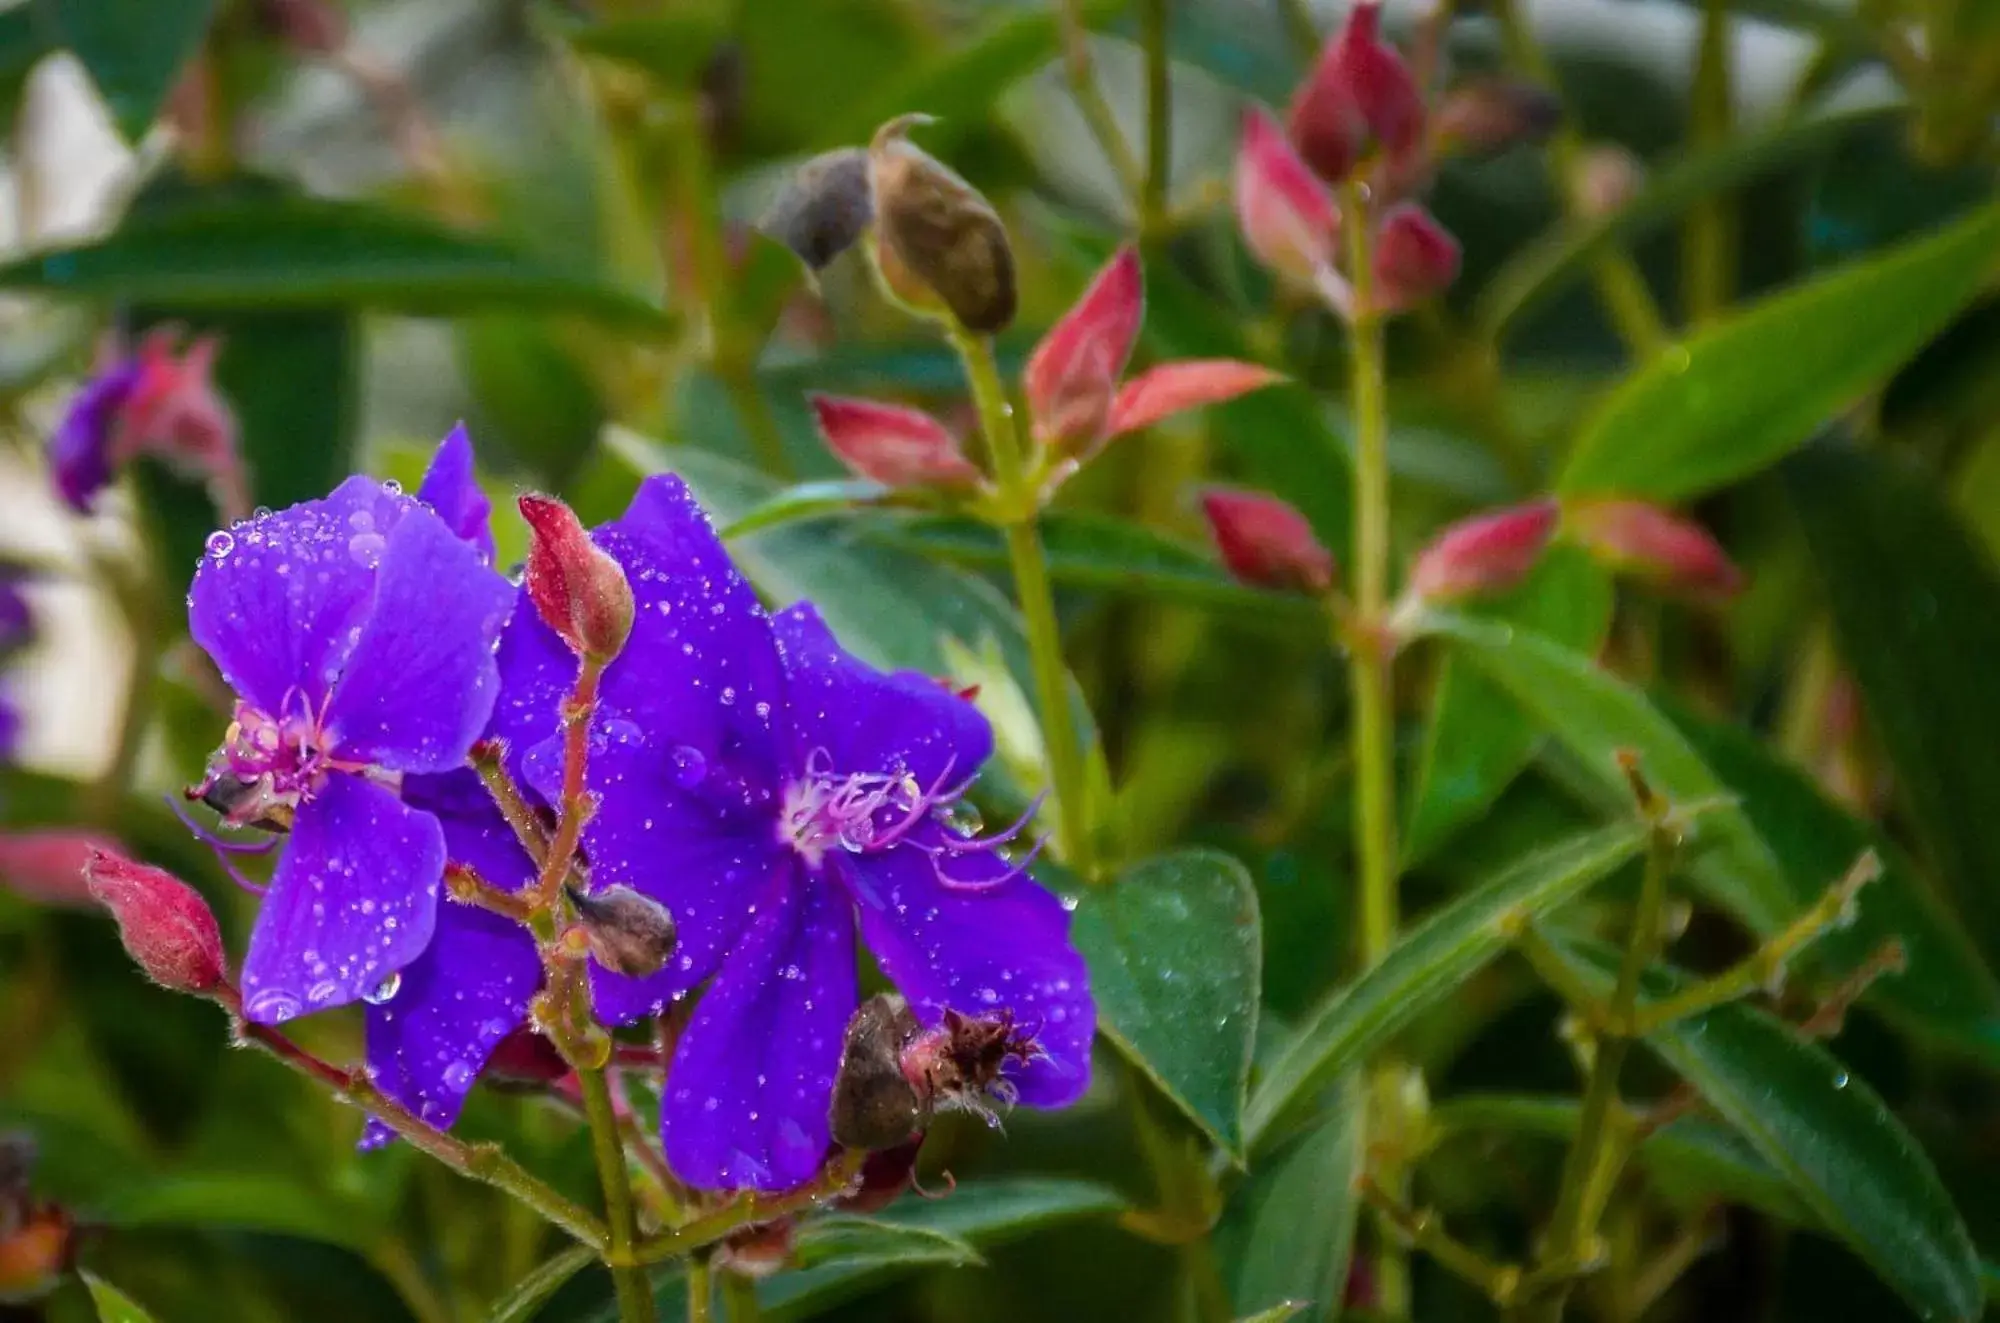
(1288, 219)
(47, 866)
(164, 922)
(1488, 114)
(1487, 553)
(1640, 538)
(578, 590)
(1359, 89)
(894, 446)
(1073, 373)
(1173, 388)
(1415, 258)
(1265, 541)
(175, 414)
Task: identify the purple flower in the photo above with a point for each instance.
(158, 400)
(358, 633)
(80, 451)
(452, 492)
(774, 793)
(16, 627)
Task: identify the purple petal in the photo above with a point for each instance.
(466, 992)
(420, 682)
(751, 1082)
(80, 450)
(451, 489)
(874, 721)
(278, 600)
(979, 952)
(353, 900)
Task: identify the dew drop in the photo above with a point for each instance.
(384, 990)
(964, 819)
(366, 549)
(458, 1075)
(220, 544)
(690, 767)
(273, 1006)
(322, 992)
(1840, 1080)
(392, 487)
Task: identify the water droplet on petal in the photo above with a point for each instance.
(321, 993)
(1840, 1080)
(458, 1075)
(366, 549)
(220, 544)
(392, 487)
(384, 990)
(690, 766)
(272, 1006)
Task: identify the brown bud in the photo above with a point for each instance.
(825, 207)
(937, 234)
(628, 933)
(875, 1105)
(578, 590)
(164, 922)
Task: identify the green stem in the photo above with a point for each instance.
(635, 1298)
(1620, 286)
(1580, 1198)
(767, 443)
(1016, 485)
(1159, 115)
(699, 1233)
(1708, 243)
(739, 1297)
(701, 1290)
(1089, 97)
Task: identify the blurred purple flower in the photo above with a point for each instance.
(358, 633)
(772, 792)
(80, 450)
(16, 627)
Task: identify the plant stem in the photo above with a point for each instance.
(1159, 116)
(635, 1298)
(701, 1290)
(739, 1296)
(1090, 102)
(1496, 1281)
(1708, 242)
(1580, 1198)
(574, 812)
(1031, 585)
(747, 1209)
(1620, 286)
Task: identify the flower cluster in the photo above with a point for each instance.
(753, 799)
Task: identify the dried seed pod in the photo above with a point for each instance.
(939, 231)
(628, 933)
(824, 208)
(875, 1105)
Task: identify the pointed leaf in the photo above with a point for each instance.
(113, 1305)
(1288, 1231)
(1845, 1154)
(846, 1238)
(1430, 961)
(1175, 955)
(134, 49)
(1737, 397)
(803, 501)
(525, 1298)
(1916, 604)
(1192, 383)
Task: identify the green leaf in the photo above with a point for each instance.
(1431, 960)
(1916, 606)
(1287, 1232)
(1542, 270)
(1846, 1156)
(245, 1200)
(846, 1238)
(1478, 740)
(1105, 554)
(1945, 992)
(1738, 396)
(535, 401)
(1594, 714)
(527, 1296)
(1176, 955)
(134, 49)
(264, 252)
(805, 500)
(673, 45)
(113, 1305)
(1276, 1313)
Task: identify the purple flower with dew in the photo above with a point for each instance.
(80, 452)
(358, 633)
(775, 793)
(451, 489)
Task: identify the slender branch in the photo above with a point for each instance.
(635, 1297)
(1425, 1230)
(1012, 474)
(749, 1209)
(1708, 241)
(1153, 18)
(489, 762)
(576, 806)
(1098, 117)
(1670, 1265)
(701, 1290)
(1562, 979)
(739, 1296)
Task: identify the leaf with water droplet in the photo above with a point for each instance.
(1175, 950)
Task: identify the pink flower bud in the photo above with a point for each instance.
(1359, 89)
(1640, 538)
(1489, 114)
(1175, 388)
(1288, 219)
(164, 922)
(894, 446)
(47, 866)
(1415, 259)
(1073, 373)
(1487, 553)
(578, 590)
(1265, 541)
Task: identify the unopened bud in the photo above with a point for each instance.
(1072, 377)
(1415, 259)
(1488, 553)
(1288, 219)
(875, 1104)
(525, 1057)
(1640, 538)
(47, 866)
(894, 446)
(1606, 179)
(578, 590)
(1489, 114)
(1360, 89)
(1265, 541)
(938, 238)
(759, 1250)
(628, 933)
(164, 922)
(824, 208)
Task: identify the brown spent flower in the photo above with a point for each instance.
(936, 234)
(875, 1104)
(824, 207)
